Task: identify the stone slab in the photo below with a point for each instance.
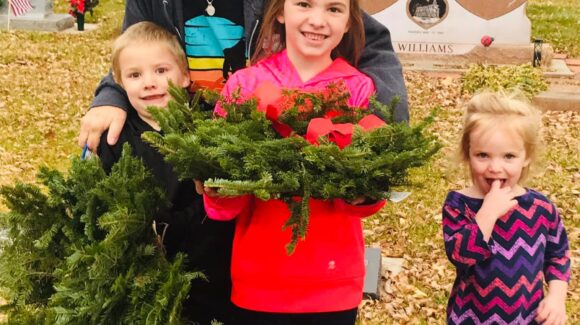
(74, 30)
(560, 55)
(376, 265)
(50, 22)
(372, 273)
(563, 93)
(558, 69)
(393, 264)
(558, 100)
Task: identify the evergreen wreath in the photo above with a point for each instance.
(266, 149)
(81, 250)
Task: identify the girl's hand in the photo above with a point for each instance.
(198, 186)
(201, 189)
(361, 200)
(497, 202)
(552, 311)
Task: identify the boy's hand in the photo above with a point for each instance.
(96, 121)
(552, 311)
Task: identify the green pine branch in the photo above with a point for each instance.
(243, 154)
(80, 249)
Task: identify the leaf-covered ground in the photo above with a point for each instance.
(47, 82)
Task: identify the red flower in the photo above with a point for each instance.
(486, 40)
(77, 7)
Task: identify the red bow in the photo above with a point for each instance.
(341, 134)
(271, 100)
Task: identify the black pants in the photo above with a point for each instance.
(250, 317)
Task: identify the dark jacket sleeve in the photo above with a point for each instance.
(380, 62)
(108, 155)
(108, 92)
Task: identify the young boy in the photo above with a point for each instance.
(145, 57)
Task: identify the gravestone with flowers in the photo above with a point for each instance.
(458, 31)
(32, 15)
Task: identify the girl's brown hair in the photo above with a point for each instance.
(272, 37)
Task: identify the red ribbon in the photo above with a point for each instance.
(341, 134)
(271, 100)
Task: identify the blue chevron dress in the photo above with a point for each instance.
(500, 282)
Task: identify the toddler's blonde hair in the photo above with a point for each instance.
(489, 110)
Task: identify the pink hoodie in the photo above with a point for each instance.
(326, 272)
(279, 71)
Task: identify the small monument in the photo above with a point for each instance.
(41, 18)
(451, 31)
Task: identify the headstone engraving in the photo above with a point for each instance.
(439, 29)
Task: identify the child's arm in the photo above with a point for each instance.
(557, 253)
(108, 154)
(552, 309)
(225, 208)
(497, 202)
(464, 243)
(467, 234)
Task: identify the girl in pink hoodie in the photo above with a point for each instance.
(307, 44)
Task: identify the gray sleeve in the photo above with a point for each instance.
(109, 93)
(380, 62)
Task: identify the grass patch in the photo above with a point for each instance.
(524, 78)
(556, 22)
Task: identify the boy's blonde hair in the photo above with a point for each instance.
(488, 110)
(146, 32)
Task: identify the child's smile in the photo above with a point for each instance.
(313, 36)
(154, 98)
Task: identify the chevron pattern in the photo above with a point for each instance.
(501, 281)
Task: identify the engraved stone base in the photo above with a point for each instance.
(49, 22)
(495, 54)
